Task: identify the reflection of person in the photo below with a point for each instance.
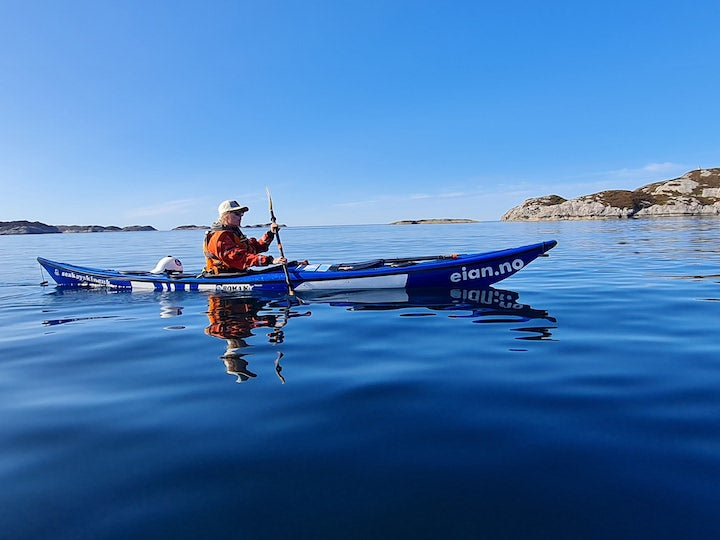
(227, 249)
(234, 362)
(233, 319)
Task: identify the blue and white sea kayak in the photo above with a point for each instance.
(472, 270)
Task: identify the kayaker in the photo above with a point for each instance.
(227, 249)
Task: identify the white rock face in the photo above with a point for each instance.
(696, 193)
(680, 208)
(682, 185)
(537, 210)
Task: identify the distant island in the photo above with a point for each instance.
(191, 228)
(431, 221)
(37, 227)
(696, 193)
(206, 227)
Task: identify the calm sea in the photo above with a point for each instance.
(579, 399)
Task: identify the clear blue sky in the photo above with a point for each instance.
(152, 112)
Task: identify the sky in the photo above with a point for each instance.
(350, 112)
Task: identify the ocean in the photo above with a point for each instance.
(579, 398)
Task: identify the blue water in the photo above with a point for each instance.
(583, 402)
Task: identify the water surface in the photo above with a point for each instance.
(577, 399)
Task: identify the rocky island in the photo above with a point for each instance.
(37, 227)
(431, 221)
(696, 193)
(191, 228)
(206, 227)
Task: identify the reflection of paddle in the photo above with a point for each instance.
(277, 336)
(291, 291)
(278, 367)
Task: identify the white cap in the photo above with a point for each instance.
(230, 206)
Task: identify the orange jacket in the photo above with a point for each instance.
(229, 249)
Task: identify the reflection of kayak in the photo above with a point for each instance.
(238, 318)
(463, 302)
(469, 271)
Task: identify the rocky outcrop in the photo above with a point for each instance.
(190, 228)
(141, 228)
(206, 227)
(431, 221)
(26, 227)
(696, 193)
(36, 227)
(101, 228)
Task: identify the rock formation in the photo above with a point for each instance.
(26, 227)
(206, 227)
(190, 228)
(37, 227)
(432, 221)
(696, 193)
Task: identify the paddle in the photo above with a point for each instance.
(291, 291)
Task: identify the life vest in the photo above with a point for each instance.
(211, 248)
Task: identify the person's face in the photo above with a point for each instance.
(234, 218)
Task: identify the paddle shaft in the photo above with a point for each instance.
(291, 291)
(428, 258)
(410, 259)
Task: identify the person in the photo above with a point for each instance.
(227, 249)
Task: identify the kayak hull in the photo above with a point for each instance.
(472, 270)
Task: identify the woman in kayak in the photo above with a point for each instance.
(227, 249)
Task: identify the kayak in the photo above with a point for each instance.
(467, 270)
(472, 270)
